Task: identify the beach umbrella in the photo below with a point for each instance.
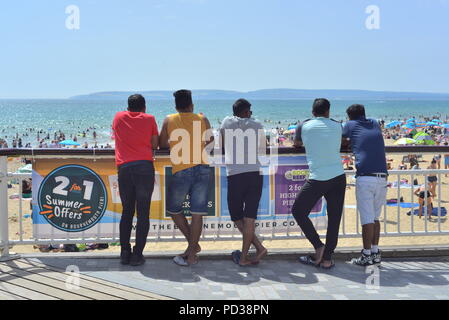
(292, 127)
(426, 142)
(419, 134)
(69, 143)
(405, 141)
(431, 124)
(411, 120)
(25, 169)
(424, 138)
(393, 124)
(437, 121)
(409, 125)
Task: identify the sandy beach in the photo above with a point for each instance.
(349, 223)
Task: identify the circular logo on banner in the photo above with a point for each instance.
(72, 198)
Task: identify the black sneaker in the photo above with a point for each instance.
(137, 259)
(125, 257)
(70, 248)
(364, 260)
(376, 257)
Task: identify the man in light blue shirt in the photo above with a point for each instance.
(322, 139)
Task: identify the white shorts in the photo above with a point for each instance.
(371, 194)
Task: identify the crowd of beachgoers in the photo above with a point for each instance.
(87, 138)
(432, 130)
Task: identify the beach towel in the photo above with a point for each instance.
(434, 212)
(402, 185)
(407, 205)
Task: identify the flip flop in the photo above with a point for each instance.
(236, 256)
(308, 260)
(328, 268)
(180, 261)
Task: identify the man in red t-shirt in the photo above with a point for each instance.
(136, 136)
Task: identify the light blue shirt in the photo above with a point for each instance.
(322, 140)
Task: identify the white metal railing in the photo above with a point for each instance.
(402, 224)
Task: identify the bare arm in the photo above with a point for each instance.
(297, 144)
(163, 136)
(262, 142)
(345, 143)
(155, 142)
(208, 127)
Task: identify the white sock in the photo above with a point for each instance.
(374, 249)
(367, 252)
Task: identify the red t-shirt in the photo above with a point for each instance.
(132, 133)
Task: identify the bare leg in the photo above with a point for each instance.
(376, 235)
(433, 187)
(195, 234)
(248, 236)
(261, 251)
(183, 225)
(429, 210)
(420, 208)
(368, 235)
(255, 241)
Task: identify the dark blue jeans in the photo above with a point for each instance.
(136, 184)
(333, 191)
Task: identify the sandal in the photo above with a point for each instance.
(236, 256)
(329, 267)
(180, 261)
(308, 260)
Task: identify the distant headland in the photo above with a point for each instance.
(271, 94)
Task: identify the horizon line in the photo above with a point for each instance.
(229, 90)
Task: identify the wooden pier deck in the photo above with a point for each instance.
(25, 279)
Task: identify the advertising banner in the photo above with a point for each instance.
(74, 198)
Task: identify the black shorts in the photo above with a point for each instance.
(422, 194)
(244, 192)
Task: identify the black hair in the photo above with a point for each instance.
(183, 99)
(136, 103)
(356, 111)
(240, 106)
(321, 106)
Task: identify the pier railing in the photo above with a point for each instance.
(398, 217)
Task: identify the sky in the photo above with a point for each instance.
(221, 44)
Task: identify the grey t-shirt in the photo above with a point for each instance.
(242, 137)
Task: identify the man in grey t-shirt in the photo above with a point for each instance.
(244, 141)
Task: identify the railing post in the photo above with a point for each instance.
(4, 227)
(4, 236)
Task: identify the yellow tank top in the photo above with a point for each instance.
(186, 132)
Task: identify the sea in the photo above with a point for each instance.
(75, 116)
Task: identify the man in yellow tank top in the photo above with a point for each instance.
(187, 134)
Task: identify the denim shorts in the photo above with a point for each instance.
(193, 182)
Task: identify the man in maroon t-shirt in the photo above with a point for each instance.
(136, 136)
